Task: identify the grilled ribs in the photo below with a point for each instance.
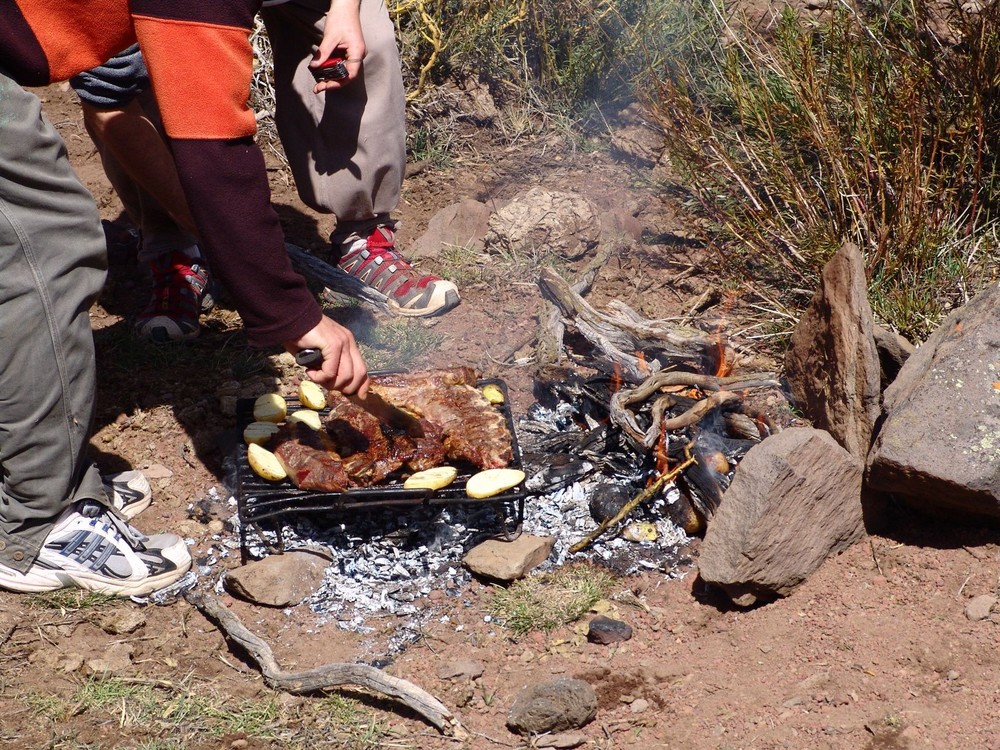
(309, 458)
(473, 430)
(356, 449)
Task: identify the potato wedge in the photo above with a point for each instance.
(259, 432)
(492, 482)
(270, 407)
(431, 479)
(307, 416)
(265, 464)
(493, 394)
(311, 395)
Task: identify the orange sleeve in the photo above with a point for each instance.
(201, 75)
(71, 45)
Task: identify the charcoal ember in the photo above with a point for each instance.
(607, 499)
(550, 472)
(606, 631)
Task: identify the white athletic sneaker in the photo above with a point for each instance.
(91, 548)
(128, 491)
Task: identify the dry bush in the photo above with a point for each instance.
(863, 125)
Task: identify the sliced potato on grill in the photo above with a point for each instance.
(259, 432)
(311, 395)
(492, 482)
(308, 417)
(493, 394)
(431, 479)
(265, 464)
(270, 407)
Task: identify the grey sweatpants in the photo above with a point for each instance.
(52, 265)
(346, 148)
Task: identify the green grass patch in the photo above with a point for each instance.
(548, 601)
(155, 715)
(71, 600)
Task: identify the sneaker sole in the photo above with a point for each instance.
(451, 300)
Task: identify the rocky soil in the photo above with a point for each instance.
(878, 649)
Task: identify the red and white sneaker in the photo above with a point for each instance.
(375, 261)
(180, 295)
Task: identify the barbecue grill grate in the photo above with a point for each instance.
(262, 503)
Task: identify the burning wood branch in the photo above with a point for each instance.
(647, 494)
(328, 676)
(722, 391)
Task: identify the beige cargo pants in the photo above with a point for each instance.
(346, 147)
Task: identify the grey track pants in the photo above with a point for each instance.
(53, 262)
(346, 148)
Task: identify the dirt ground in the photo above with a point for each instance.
(874, 651)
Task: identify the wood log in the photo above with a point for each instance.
(328, 676)
(623, 417)
(621, 333)
(335, 279)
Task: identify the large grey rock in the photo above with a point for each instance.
(508, 561)
(553, 706)
(832, 364)
(795, 500)
(939, 445)
(541, 220)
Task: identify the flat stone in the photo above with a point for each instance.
(980, 607)
(123, 621)
(461, 669)
(463, 225)
(116, 660)
(508, 561)
(561, 740)
(605, 630)
(279, 580)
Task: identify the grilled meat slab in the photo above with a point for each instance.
(472, 429)
(309, 458)
(356, 449)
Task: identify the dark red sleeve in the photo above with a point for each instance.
(226, 187)
(200, 62)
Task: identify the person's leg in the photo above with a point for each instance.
(52, 265)
(347, 149)
(121, 117)
(54, 528)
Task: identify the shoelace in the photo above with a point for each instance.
(109, 516)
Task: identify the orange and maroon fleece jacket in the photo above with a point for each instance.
(200, 62)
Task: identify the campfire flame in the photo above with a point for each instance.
(643, 364)
(616, 379)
